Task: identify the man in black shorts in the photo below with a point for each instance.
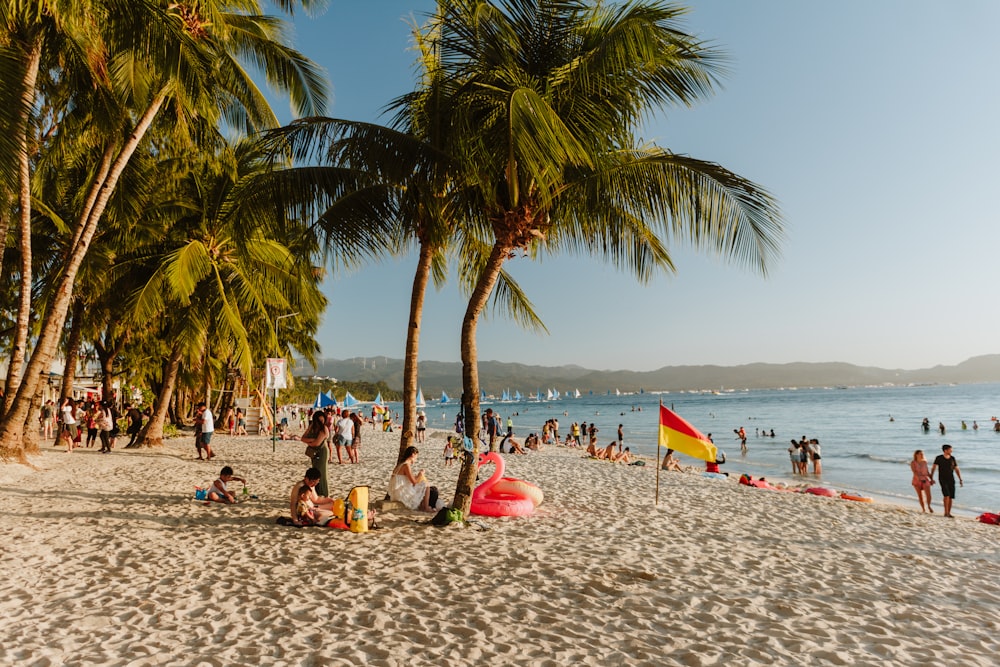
(947, 467)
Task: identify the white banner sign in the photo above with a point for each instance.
(276, 374)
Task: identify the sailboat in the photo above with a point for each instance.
(517, 396)
(576, 393)
(549, 395)
(505, 396)
(350, 401)
(378, 399)
(444, 398)
(421, 403)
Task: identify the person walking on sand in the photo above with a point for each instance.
(947, 467)
(922, 480)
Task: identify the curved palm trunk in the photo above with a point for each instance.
(470, 374)
(151, 434)
(12, 426)
(20, 343)
(72, 349)
(410, 366)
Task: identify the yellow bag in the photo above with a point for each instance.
(357, 500)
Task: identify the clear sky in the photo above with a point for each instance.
(873, 123)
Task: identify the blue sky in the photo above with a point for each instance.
(873, 123)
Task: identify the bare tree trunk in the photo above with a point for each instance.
(20, 342)
(31, 424)
(470, 374)
(410, 359)
(72, 351)
(151, 434)
(12, 426)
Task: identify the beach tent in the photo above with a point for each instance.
(350, 401)
(322, 401)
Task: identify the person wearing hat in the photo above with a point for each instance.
(421, 426)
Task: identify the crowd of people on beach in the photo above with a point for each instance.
(97, 419)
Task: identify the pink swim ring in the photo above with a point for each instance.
(503, 496)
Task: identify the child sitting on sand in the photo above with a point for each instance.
(220, 488)
(305, 510)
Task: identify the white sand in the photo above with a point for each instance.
(108, 560)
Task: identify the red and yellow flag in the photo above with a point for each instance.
(680, 436)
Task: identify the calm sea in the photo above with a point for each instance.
(862, 449)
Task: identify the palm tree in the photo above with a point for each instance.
(184, 57)
(548, 97)
(227, 264)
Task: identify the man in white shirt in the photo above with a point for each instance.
(345, 435)
(207, 429)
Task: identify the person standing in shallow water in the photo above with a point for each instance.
(922, 480)
(947, 467)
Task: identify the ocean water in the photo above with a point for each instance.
(862, 449)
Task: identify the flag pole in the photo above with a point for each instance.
(657, 499)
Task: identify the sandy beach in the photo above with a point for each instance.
(109, 560)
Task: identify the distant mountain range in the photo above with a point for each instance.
(495, 376)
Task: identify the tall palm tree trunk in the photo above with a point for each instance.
(72, 350)
(470, 373)
(12, 426)
(20, 343)
(151, 434)
(410, 359)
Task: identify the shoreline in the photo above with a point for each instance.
(109, 556)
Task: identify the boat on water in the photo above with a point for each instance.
(518, 396)
(576, 393)
(444, 398)
(421, 403)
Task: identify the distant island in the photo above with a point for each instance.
(496, 376)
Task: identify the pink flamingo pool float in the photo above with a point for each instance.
(504, 496)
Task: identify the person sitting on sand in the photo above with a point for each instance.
(220, 492)
(713, 466)
(322, 506)
(608, 453)
(592, 451)
(305, 510)
(624, 457)
(508, 445)
(531, 442)
(411, 489)
(670, 462)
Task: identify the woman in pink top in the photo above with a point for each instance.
(922, 480)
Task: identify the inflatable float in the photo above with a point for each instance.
(821, 491)
(504, 496)
(855, 497)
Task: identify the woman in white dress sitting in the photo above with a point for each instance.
(410, 489)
